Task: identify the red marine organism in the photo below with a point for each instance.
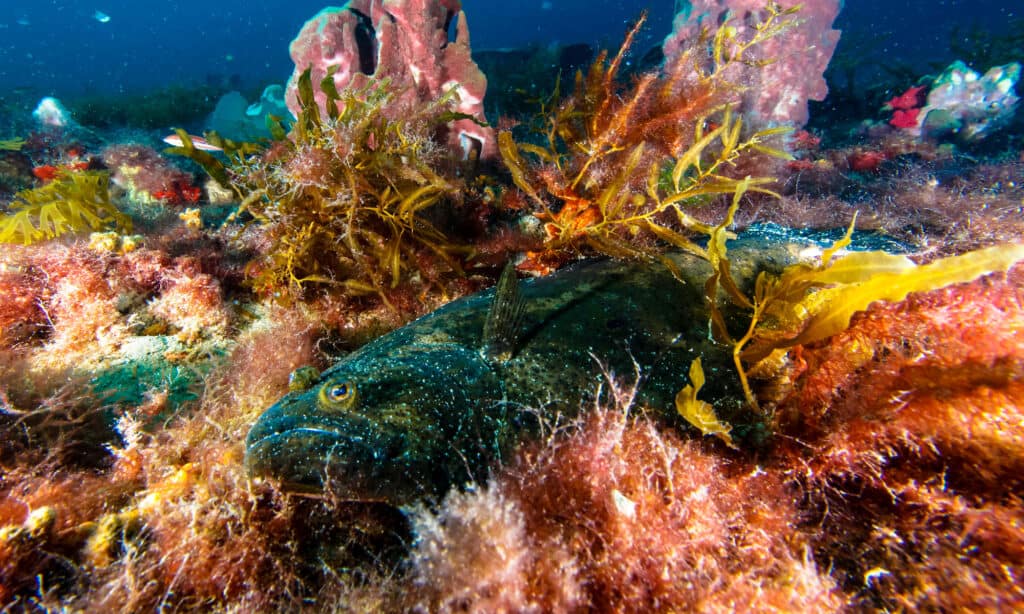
(906, 107)
(147, 176)
(866, 161)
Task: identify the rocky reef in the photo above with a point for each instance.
(847, 436)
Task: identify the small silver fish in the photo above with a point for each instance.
(197, 141)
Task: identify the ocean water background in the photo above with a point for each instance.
(67, 49)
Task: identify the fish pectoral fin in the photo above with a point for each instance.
(503, 329)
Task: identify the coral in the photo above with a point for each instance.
(622, 163)
(405, 42)
(147, 176)
(780, 75)
(72, 202)
(967, 105)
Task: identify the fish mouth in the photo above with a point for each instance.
(310, 458)
(299, 431)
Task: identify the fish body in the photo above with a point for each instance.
(197, 141)
(433, 403)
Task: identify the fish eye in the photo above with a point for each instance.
(339, 394)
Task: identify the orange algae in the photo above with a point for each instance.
(617, 166)
(893, 481)
(612, 514)
(906, 433)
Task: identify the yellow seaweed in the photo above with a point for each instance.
(13, 144)
(613, 167)
(700, 413)
(72, 202)
(811, 303)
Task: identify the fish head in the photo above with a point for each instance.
(388, 427)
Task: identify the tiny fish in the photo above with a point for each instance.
(101, 17)
(433, 404)
(197, 141)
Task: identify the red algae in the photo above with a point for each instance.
(889, 476)
(907, 433)
(21, 314)
(615, 515)
(147, 176)
(193, 304)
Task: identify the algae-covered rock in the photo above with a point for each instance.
(160, 364)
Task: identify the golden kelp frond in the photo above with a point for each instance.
(616, 165)
(237, 152)
(700, 413)
(810, 303)
(852, 282)
(72, 202)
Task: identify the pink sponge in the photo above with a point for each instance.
(776, 93)
(405, 41)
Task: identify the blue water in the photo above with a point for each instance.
(60, 48)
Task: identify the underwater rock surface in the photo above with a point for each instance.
(783, 424)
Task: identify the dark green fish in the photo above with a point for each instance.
(433, 403)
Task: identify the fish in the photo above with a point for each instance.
(101, 17)
(437, 402)
(197, 141)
